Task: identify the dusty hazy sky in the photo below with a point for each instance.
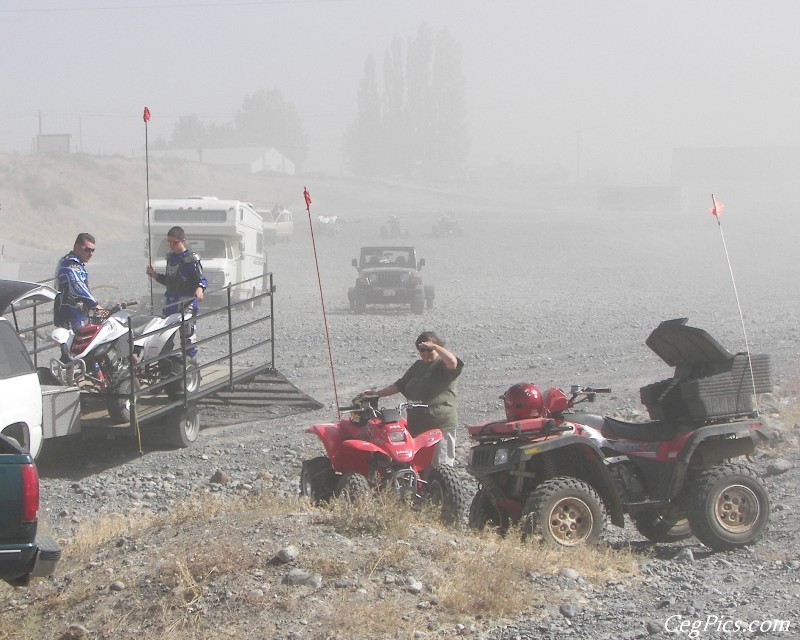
(593, 85)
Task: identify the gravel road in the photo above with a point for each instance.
(554, 298)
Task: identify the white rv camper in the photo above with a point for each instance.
(227, 235)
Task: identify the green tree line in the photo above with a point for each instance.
(413, 124)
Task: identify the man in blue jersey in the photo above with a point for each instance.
(71, 308)
(184, 281)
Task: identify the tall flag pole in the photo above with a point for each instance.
(146, 118)
(716, 211)
(307, 198)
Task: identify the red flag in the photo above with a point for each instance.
(716, 210)
(146, 114)
(307, 196)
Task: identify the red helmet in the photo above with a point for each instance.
(523, 400)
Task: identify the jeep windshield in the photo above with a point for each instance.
(377, 257)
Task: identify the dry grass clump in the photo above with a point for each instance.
(208, 570)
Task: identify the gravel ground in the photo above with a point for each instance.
(555, 298)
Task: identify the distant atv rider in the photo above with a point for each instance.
(71, 308)
(184, 280)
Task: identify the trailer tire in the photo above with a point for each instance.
(183, 426)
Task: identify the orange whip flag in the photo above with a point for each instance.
(307, 198)
(716, 211)
(146, 114)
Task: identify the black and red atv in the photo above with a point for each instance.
(562, 473)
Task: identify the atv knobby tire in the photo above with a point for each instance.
(565, 512)
(447, 490)
(317, 479)
(119, 404)
(662, 525)
(174, 389)
(731, 507)
(484, 513)
(353, 487)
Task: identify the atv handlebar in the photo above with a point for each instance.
(588, 393)
(368, 402)
(104, 314)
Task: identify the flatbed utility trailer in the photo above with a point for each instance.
(236, 370)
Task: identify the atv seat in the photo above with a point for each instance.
(139, 324)
(643, 431)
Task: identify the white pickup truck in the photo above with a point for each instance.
(29, 410)
(278, 223)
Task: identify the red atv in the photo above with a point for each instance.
(372, 449)
(562, 473)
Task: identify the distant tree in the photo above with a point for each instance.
(363, 145)
(419, 108)
(422, 121)
(189, 132)
(267, 119)
(450, 138)
(399, 152)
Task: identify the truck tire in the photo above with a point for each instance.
(119, 404)
(731, 507)
(359, 302)
(183, 426)
(317, 479)
(418, 303)
(447, 490)
(565, 512)
(430, 296)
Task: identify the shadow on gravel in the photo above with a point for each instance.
(374, 311)
(75, 458)
(660, 551)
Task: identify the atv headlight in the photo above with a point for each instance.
(501, 456)
(397, 436)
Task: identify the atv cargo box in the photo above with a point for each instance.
(709, 383)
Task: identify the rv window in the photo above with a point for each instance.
(189, 215)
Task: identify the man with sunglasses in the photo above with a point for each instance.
(71, 308)
(431, 380)
(184, 281)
